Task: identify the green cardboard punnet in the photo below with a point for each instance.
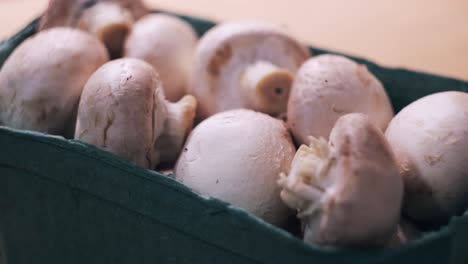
(62, 201)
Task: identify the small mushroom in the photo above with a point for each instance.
(123, 111)
(347, 192)
(430, 139)
(109, 20)
(168, 43)
(236, 156)
(245, 64)
(41, 82)
(329, 86)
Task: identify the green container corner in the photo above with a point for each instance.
(62, 201)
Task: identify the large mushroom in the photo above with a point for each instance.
(430, 138)
(41, 82)
(168, 43)
(347, 192)
(109, 20)
(329, 86)
(236, 156)
(245, 64)
(123, 111)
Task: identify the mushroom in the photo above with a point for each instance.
(41, 82)
(123, 111)
(168, 43)
(430, 139)
(348, 192)
(109, 20)
(236, 156)
(327, 87)
(245, 64)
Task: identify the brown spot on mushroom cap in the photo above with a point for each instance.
(433, 159)
(41, 82)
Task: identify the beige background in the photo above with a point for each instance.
(429, 35)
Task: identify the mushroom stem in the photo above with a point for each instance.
(265, 87)
(304, 186)
(110, 23)
(178, 124)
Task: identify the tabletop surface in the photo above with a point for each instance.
(426, 35)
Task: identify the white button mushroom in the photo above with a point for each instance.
(347, 192)
(245, 64)
(430, 138)
(67, 13)
(329, 86)
(110, 23)
(168, 43)
(236, 156)
(123, 111)
(405, 233)
(41, 82)
(109, 20)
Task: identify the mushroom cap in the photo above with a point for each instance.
(226, 51)
(168, 43)
(327, 87)
(110, 23)
(236, 156)
(41, 82)
(430, 138)
(67, 13)
(122, 110)
(347, 192)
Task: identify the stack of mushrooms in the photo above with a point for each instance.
(247, 115)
